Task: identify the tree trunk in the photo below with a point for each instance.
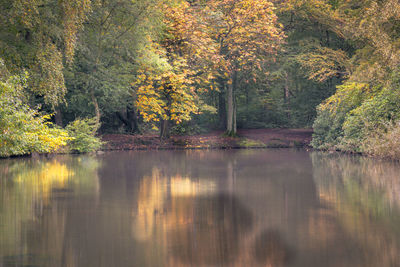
(132, 119)
(229, 119)
(58, 117)
(231, 128)
(222, 108)
(234, 114)
(96, 105)
(287, 95)
(164, 129)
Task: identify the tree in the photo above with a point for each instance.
(166, 97)
(372, 28)
(364, 107)
(22, 129)
(247, 33)
(116, 40)
(169, 92)
(40, 37)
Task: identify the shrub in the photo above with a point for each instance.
(22, 129)
(384, 143)
(331, 114)
(83, 136)
(327, 129)
(358, 118)
(371, 118)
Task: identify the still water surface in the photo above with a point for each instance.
(200, 208)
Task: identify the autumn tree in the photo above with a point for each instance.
(169, 93)
(372, 28)
(166, 97)
(113, 44)
(365, 108)
(40, 36)
(247, 33)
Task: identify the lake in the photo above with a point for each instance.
(200, 208)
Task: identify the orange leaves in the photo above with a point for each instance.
(203, 44)
(166, 96)
(245, 30)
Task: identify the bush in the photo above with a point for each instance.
(370, 118)
(358, 118)
(384, 143)
(332, 113)
(82, 133)
(22, 129)
(327, 129)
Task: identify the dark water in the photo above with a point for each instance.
(200, 208)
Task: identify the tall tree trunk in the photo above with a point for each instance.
(58, 116)
(234, 114)
(164, 129)
(96, 105)
(164, 124)
(229, 119)
(231, 128)
(287, 95)
(222, 108)
(133, 119)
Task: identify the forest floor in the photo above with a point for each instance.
(247, 138)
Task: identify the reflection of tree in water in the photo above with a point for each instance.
(271, 250)
(210, 229)
(191, 220)
(31, 206)
(364, 195)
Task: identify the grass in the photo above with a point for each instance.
(250, 143)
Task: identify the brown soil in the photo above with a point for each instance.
(247, 138)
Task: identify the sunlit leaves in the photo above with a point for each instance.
(166, 96)
(323, 63)
(39, 36)
(247, 31)
(370, 25)
(22, 129)
(48, 76)
(82, 133)
(74, 14)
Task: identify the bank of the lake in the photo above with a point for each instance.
(247, 138)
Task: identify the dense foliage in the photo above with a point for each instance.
(82, 135)
(192, 66)
(22, 129)
(363, 114)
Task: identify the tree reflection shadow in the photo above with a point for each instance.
(210, 230)
(270, 249)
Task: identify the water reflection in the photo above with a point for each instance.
(27, 208)
(156, 194)
(200, 208)
(272, 250)
(363, 195)
(208, 230)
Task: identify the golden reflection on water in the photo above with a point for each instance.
(200, 208)
(153, 191)
(40, 181)
(194, 223)
(28, 189)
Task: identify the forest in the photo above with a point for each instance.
(74, 70)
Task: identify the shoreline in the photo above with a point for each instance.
(247, 138)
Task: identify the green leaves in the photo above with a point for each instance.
(22, 129)
(82, 133)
